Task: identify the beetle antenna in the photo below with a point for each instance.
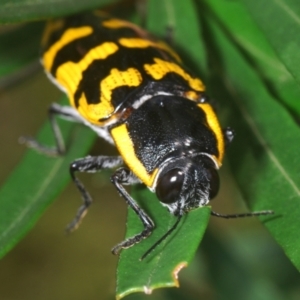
(243, 215)
(162, 238)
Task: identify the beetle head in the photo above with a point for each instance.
(187, 183)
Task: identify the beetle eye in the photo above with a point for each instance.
(169, 186)
(214, 182)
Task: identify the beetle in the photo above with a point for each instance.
(134, 91)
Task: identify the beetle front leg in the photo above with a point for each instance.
(124, 176)
(89, 164)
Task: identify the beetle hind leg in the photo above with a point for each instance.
(54, 110)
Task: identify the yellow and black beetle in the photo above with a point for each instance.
(134, 92)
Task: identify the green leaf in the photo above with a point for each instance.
(247, 260)
(32, 10)
(36, 182)
(246, 34)
(280, 22)
(159, 268)
(265, 153)
(185, 36)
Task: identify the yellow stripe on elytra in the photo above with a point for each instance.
(161, 67)
(93, 112)
(97, 113)
(69, 74)
(214, 125)
(126, 149)
(144, 43)
(116, 23)
(116, 78)
(51, 27)
(69, 35)
(138, 42)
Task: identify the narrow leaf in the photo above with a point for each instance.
(280, 22)
(36, 182)
(184, 36)
(161, 267)
(265, 154)
(32, 10)
(240, 25)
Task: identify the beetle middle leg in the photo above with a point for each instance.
(89, 164)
